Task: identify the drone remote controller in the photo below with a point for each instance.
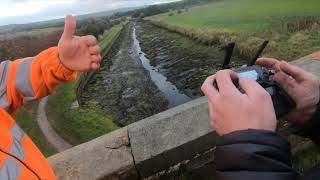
(282, 102)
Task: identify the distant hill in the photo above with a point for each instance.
(60, 22)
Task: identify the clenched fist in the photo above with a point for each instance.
(78, 53)
(233, 110)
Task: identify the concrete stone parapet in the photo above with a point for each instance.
(168, 138)
(312, 66)
(107, 157)
(149, 146)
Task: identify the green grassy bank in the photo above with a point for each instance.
(26, 118)
(76, 125)
(80, 124)
(109, 35)
(292, 26)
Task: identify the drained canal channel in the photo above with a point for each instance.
(171, 92)
(147, 71)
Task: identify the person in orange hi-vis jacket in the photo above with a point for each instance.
(31, 78)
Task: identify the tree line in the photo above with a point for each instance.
(162, 8)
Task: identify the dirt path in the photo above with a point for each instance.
(50, 134)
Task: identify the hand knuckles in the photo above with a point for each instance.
(314, 80)
(218, 74)
(91, 39)
(263, 95)
(227, 95)
(203, 88)
(206, 89)
(226, 72)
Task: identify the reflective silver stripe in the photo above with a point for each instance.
(4, 73)
(17, 132)
(10, 169)
(22, 79)
(16, 148)
(4, 102)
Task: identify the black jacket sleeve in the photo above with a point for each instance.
(253, 154)
(310, 129)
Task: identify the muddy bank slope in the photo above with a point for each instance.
(184, 62)
(122, 86)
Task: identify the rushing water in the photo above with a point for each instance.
(171, 92)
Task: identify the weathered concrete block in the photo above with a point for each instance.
(312, 66)
(107, 157)
(165, 139)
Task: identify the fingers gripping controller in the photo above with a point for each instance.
(282, 102)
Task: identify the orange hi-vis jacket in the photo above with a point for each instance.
(21, 81)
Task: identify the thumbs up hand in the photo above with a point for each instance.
(78, 53)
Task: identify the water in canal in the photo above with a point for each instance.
(171, 92)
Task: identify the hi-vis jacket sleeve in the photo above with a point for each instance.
(31, 78)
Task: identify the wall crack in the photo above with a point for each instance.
(134, 161)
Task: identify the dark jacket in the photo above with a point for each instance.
(261, 155)
(253, 154)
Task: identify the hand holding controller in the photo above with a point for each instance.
(232, 110)
(302, 86)
(252, 97)
(282, 102)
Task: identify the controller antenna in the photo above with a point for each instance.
(259, 52)
(227, 58)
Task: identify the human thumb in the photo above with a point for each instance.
(69, 27)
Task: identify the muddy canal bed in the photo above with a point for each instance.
(171, 92)
(184, 62)
(122, 86)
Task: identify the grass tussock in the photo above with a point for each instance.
(305, 160)
(302, 23)
(297, 38)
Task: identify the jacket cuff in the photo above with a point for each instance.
(252, 136)
(309, 129)
(61, 70)
(253, 151)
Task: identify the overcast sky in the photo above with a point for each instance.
(25, 11)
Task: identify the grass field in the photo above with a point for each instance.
(82, 124)
(108, 35)
(292, 26)
(31, 33)
(244, 15)
(26, 118)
